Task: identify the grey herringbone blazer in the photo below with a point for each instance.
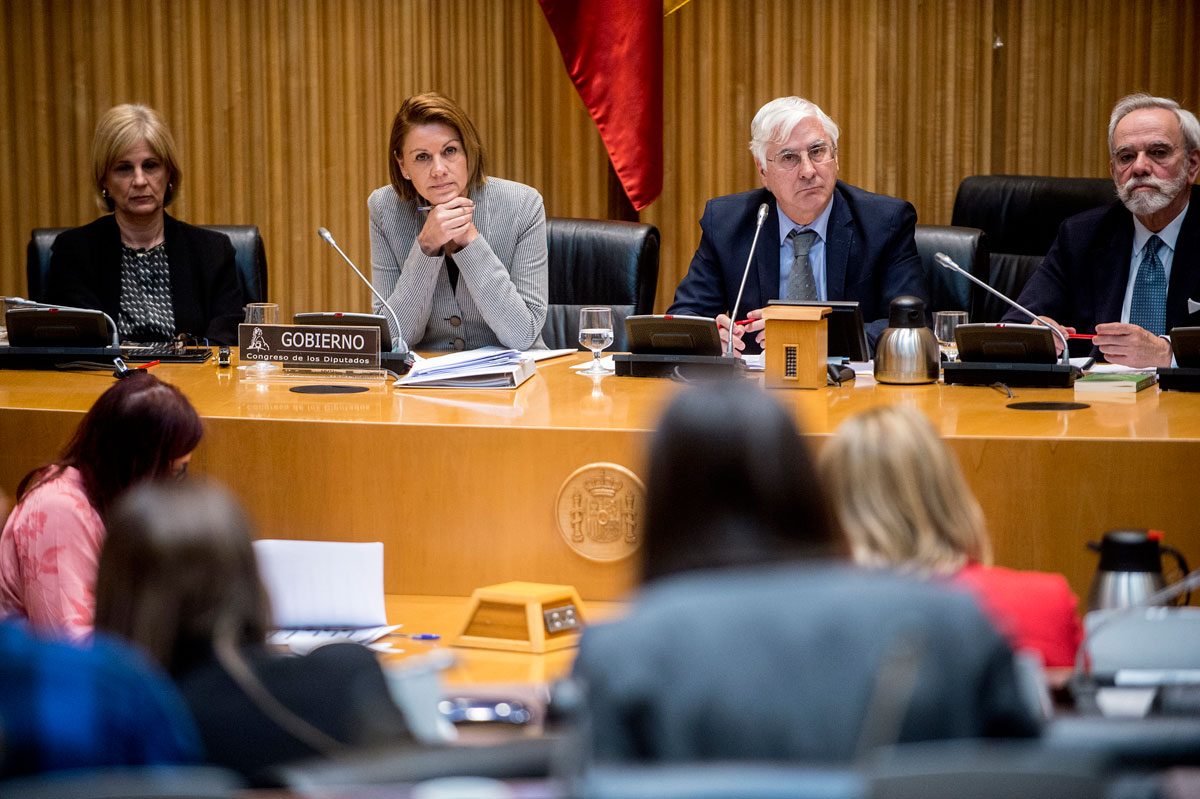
(502, 285)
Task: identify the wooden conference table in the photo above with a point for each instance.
(464, 485)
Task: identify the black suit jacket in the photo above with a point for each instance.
(85, 271)
(788, 663)
(870, 256)
(1082, 280)
(339, 688)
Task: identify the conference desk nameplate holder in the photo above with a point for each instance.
(796, 355)
(310, 353)
(523, 617)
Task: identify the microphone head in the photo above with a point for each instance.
(325, 234)
(945, 260)
(762, 213)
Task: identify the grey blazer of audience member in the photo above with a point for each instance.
(795, 663)
(503, 285)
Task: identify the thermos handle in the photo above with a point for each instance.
(1175, 553)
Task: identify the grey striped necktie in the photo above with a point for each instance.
(801, 284)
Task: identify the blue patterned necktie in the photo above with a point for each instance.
(1149, 306)
(801, 283)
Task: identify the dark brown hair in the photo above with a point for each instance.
(178, 576)
(732, 483)
(428, 109)
(132, 432)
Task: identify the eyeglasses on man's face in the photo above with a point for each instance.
(817, 153)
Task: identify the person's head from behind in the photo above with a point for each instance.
(139, 429)
(434, 151)
(900, 495)
(135, 166)
(732, 483)
(178, 575)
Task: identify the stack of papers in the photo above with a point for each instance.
(323, 591)
(486, 367)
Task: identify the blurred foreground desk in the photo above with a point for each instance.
(444, 616)
(463, 485)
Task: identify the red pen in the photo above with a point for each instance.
(1082, 335)
(148, 365)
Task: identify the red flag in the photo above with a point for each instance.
(614, 54)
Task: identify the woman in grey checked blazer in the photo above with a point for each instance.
(461, 257)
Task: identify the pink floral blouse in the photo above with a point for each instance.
(48, 556)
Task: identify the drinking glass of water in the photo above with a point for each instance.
(944, 323)
(595, 333)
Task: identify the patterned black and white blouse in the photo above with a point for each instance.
(147, 313)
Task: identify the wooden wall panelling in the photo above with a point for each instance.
(281, 108)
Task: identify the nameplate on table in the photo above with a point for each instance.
(310, 346)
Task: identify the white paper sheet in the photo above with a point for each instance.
(323, 584)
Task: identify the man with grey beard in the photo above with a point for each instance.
(1129, 272)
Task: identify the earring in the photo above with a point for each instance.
(104, 193)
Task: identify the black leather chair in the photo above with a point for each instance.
(249, 252)
(1020, 215)
(598, 262)
(967, 247)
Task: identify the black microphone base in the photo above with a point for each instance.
(1178, 378)
(1017, 375)
(398, 362)
(691, 367)
(53, 357)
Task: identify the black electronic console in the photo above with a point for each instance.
(57, 357)
(847, 338)
(398, 362)
(1016, 355)
(1185, 344)
(675, 346)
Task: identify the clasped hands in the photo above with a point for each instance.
(1123, 343)
(448, 228)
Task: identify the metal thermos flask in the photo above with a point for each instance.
(1130, 568)
(907, 352)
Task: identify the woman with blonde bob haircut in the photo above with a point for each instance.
(461, 257)
(157, 277)
(903, 503)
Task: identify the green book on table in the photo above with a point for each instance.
(1115, 382)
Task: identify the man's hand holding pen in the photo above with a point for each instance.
(753, 323)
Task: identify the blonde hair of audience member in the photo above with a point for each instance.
(901, 496)
(121, 128)
(178, 576)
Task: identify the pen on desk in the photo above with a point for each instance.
(148, 365)
(417, 636)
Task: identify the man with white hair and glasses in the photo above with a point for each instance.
(1128, 271)
(822, 239)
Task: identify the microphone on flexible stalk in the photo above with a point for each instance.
(762, 217)
(399, 345)
(947, 262)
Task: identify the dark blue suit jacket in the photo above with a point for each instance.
(870, 256)
(1082, 280)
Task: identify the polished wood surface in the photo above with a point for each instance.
(462, 485)
(281, 109)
